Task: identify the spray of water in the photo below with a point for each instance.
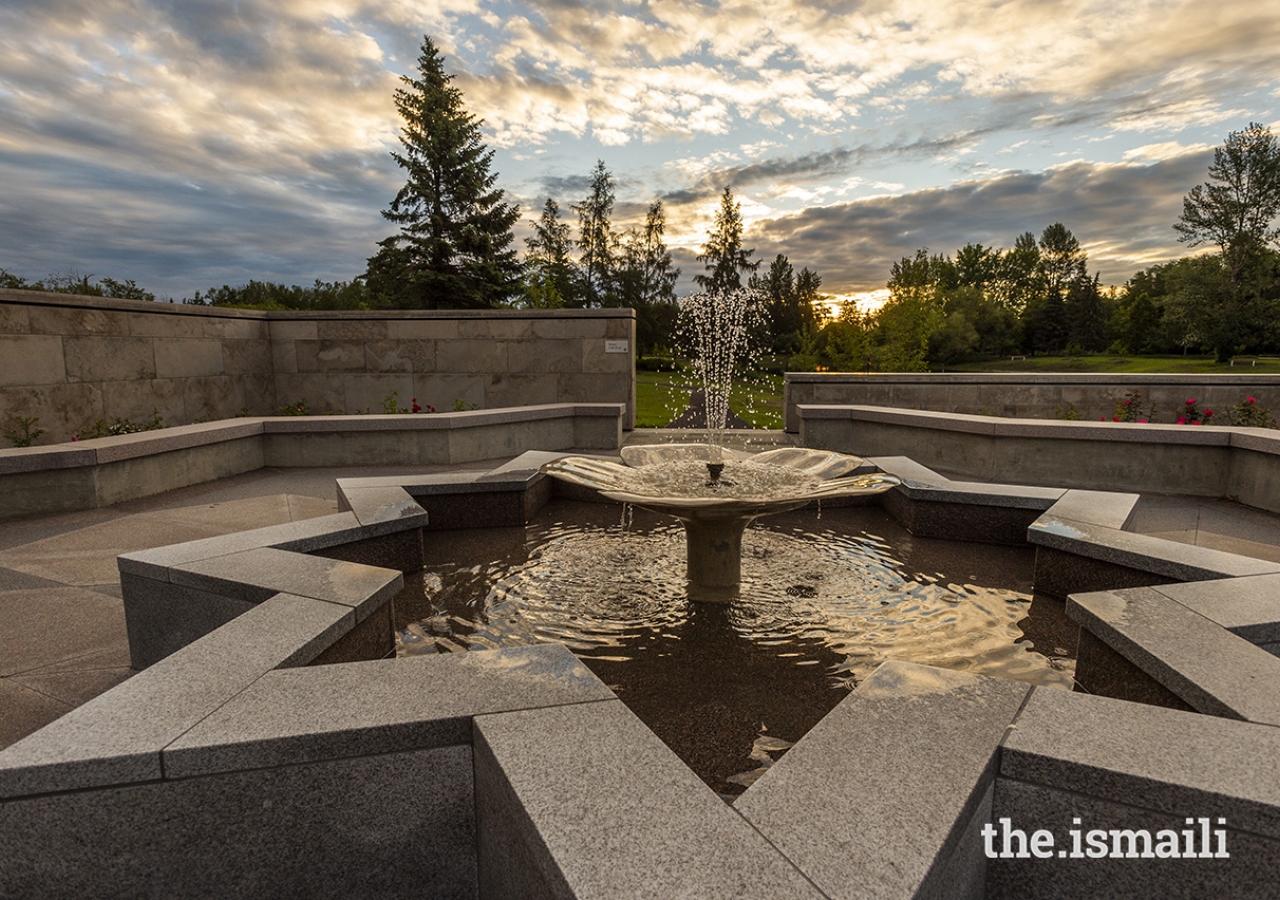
(716, 327)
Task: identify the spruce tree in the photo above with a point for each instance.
(723, 254)
(597, 266)
(647, 275)
(550, 275)
(454, 248)
(646, 281)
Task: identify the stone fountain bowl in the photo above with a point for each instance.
(715, 509)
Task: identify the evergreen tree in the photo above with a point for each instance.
(789, 313)
(550, 275)
(1087, 316)
(723, 254)
(597, 243)
(1061, 264)
(646, 281)
(454, 249)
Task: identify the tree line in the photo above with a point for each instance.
(1038, 297)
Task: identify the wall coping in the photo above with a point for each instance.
(84, 301)
(149, 443)
(1262, 440)
(1027, 378)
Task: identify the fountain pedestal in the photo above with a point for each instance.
(715, 512)
(713, 543)
(714, 551)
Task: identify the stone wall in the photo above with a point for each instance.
(71, 360)
(1240, 463)
(1028, 396)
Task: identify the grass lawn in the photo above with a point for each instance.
(661, 396)
(1106, 363)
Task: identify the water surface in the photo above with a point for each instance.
(825, 598)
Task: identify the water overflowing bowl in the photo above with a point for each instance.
(715, 508)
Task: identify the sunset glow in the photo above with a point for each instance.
(193, 144)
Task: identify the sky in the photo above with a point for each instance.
(186, 144)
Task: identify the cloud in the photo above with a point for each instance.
(1122, 214)
(253, 136)
(668, 68)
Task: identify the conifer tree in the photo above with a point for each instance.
(725, 258)
(454, 248)
(550, 275)
(598, 263)
(646, 281)
(648, 275)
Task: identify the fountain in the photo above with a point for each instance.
(716, 493)
(765, 634)
(690, 482)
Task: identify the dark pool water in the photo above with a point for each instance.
(825, 598)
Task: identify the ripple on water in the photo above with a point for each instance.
(818, 609)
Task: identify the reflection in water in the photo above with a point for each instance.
(821, 604)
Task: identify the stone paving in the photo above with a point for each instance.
(62, 625)
(62, 620)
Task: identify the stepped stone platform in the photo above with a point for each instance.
(275, 753)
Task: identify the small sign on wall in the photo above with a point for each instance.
(616, 347)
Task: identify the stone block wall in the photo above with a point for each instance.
(71, 360)
(1029, 396)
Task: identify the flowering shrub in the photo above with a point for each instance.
(295, 409)
(1248, 414)
(391, 405)
(1192, 414)
(1130, 409)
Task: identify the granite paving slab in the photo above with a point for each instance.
(76, 686)
(25, 710)
(871, 782)
(1248, 607)
(47, 625)
(251, 575)
(117, 737)
(1197, 659)
(87, 555)
(308, 534)
(585, 802)
(226, 516)
(13, 580)
(381, 706)
(1148, 756)
(1142, 552)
